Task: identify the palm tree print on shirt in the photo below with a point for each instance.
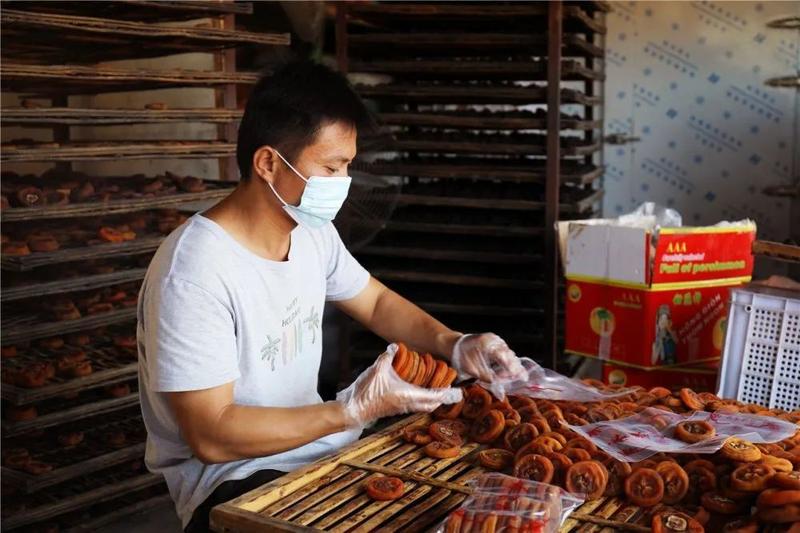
(269, 351)
(312, 321)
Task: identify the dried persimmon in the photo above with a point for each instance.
(676, 481)
(534, 467)
(751, 477)
(477, 400)
(587, 477)
(441, 450)
(644, 487)
(691, 400)
(384, 488)
(450, 431)
(717, 503)
(496, 458)
(488, 426)
(692, 431)
(737, 449)
(518, 436)
(675, 522)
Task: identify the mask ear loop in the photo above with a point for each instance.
(269, 184)
(290, 166)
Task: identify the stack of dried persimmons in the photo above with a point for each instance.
(740, 488)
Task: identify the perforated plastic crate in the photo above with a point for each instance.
(761, 360)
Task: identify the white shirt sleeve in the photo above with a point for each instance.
(189, 337)
(345, 277)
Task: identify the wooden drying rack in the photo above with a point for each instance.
(328, 495)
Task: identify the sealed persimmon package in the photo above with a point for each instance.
(501, 503)
(546, 384)
(652, 431)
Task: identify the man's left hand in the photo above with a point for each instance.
(487, 357)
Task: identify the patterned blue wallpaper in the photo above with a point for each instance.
(687, 79)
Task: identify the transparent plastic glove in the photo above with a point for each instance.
(380, 392)
(487, 357)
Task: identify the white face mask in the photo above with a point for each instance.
(321, 199)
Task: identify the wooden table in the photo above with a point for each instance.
(328, 495)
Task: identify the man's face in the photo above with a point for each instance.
(330, 154)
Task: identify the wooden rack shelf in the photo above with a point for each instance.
(91, 455)
(67, 255)
(92, 151)
(69, 414)
(216, 191)
(531, 144)
(45, 80)
(454, 69)
(109, 365)
(38, 330)
(437, 253)
(154, 10)
(479, 94)
(777, 250)
(75, 116)
(579, 206)
(60, 286)
(444, 168)
(449, 279)
(475, 120)
(120, 510)
(63, 501)
(389, 13)
(485, 43)
(60, 38)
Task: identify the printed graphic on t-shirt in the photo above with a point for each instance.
(291, 341)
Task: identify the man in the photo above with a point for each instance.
(228, 322)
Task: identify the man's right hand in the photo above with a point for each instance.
(380, 392)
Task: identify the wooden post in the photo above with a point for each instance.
(554, 38)
(225, 97)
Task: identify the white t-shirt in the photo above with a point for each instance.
(212, 312)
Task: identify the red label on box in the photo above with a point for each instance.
(699, 256)
(698, 380)
(646, 327)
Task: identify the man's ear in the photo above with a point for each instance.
(265, 163)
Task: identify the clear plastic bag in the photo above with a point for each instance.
(651, 431)
(504, 504)
(546, 384)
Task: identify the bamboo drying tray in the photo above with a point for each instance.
(475, 170)
(69, 38)
(82, 253)
(328, 495)
(79, 494)
(216, 190)
(91, 455)
(110, 364)
(59, 411)
(95, 151)
(78, 79)
(30, 327)
(82, 283)
(157, 10)
(79, 116)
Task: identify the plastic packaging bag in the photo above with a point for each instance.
(546, 384)
(503, 503)
(651, 431)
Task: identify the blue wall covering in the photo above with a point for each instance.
(687, 79)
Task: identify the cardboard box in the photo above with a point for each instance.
(651, 299)
(698, 379)
(646, 327)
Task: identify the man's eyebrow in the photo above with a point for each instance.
(337, 159)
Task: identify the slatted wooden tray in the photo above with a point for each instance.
(329, 496)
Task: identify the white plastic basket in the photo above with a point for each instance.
(761, 360)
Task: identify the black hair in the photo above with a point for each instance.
(287, 109)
